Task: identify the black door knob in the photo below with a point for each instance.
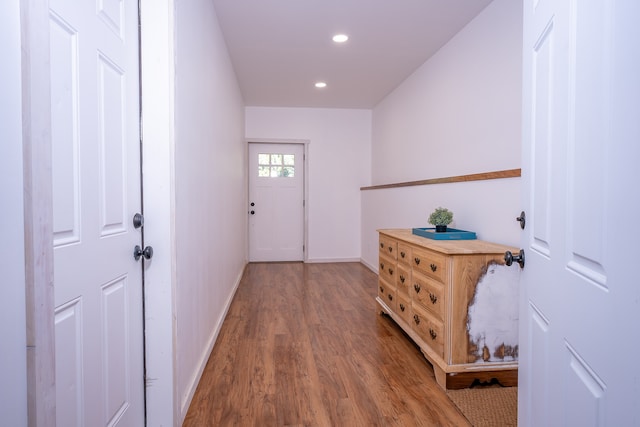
(138, 220)
(510, 258)
(253, 212)
(147, 252)
(253, 204)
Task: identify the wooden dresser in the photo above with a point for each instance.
(457, 301)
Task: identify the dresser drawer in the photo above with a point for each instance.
(387, 269)
(403, 308)
(403, 283)
(428, 328)
(404, 254)
(429, 263)
(429, 293)
(388, 247)
(387, 293)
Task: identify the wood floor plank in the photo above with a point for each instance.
(305, 345)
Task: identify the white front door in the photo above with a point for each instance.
(96, 192)
(580, 301)
(276, 202)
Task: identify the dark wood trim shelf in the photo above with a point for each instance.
(509, 173)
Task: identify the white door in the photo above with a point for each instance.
(276, 202)
(580, 302)
(96, 192)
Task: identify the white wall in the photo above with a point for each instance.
(338, 165)
(458, 114)
(210, 189)
(13, 362)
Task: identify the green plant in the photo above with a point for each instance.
(441, 216)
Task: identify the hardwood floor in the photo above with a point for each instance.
(305, 345)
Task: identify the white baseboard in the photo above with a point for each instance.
(373, 268)
(327, 260)
(184, 407)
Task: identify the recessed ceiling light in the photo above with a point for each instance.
(340, 38)
(321, 85)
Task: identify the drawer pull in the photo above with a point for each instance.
(401, 307)
(433, 267)
(402, 254)
(382, 266)
(416, 319)
(417, 260)
(402, 278)
(381, 245)
(416, 287)
(433, 298)
(390, 297)
(390, 249)
(391, 271)
(381, 289)
(433, 334)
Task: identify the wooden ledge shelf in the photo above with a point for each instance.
(508, 173)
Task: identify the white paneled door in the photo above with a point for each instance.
(276, 197)
(96, 192)
(580, 300)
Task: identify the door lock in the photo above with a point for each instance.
(138, 220)
(522, 219)
(138, 252)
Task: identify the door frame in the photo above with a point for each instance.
(157, 85)
(305, 186)
(38, 212)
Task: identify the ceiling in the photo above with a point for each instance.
(280, 48)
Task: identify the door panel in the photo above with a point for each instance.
(112, 108)
(96, 192)
(276, 190)
(65, 128)
(69, 380)
(578, 287)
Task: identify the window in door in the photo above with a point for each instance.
(276, 165)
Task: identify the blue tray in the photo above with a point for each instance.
(450, 234)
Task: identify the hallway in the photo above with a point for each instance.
(303, 344)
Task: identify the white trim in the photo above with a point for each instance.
(330, 260)
(369, 266)
(202, 363)
(38, 212)
(158, 108)
(276, 141)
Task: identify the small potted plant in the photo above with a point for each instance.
(441, 217)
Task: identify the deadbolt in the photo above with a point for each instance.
(522, 219)
(138, 220)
